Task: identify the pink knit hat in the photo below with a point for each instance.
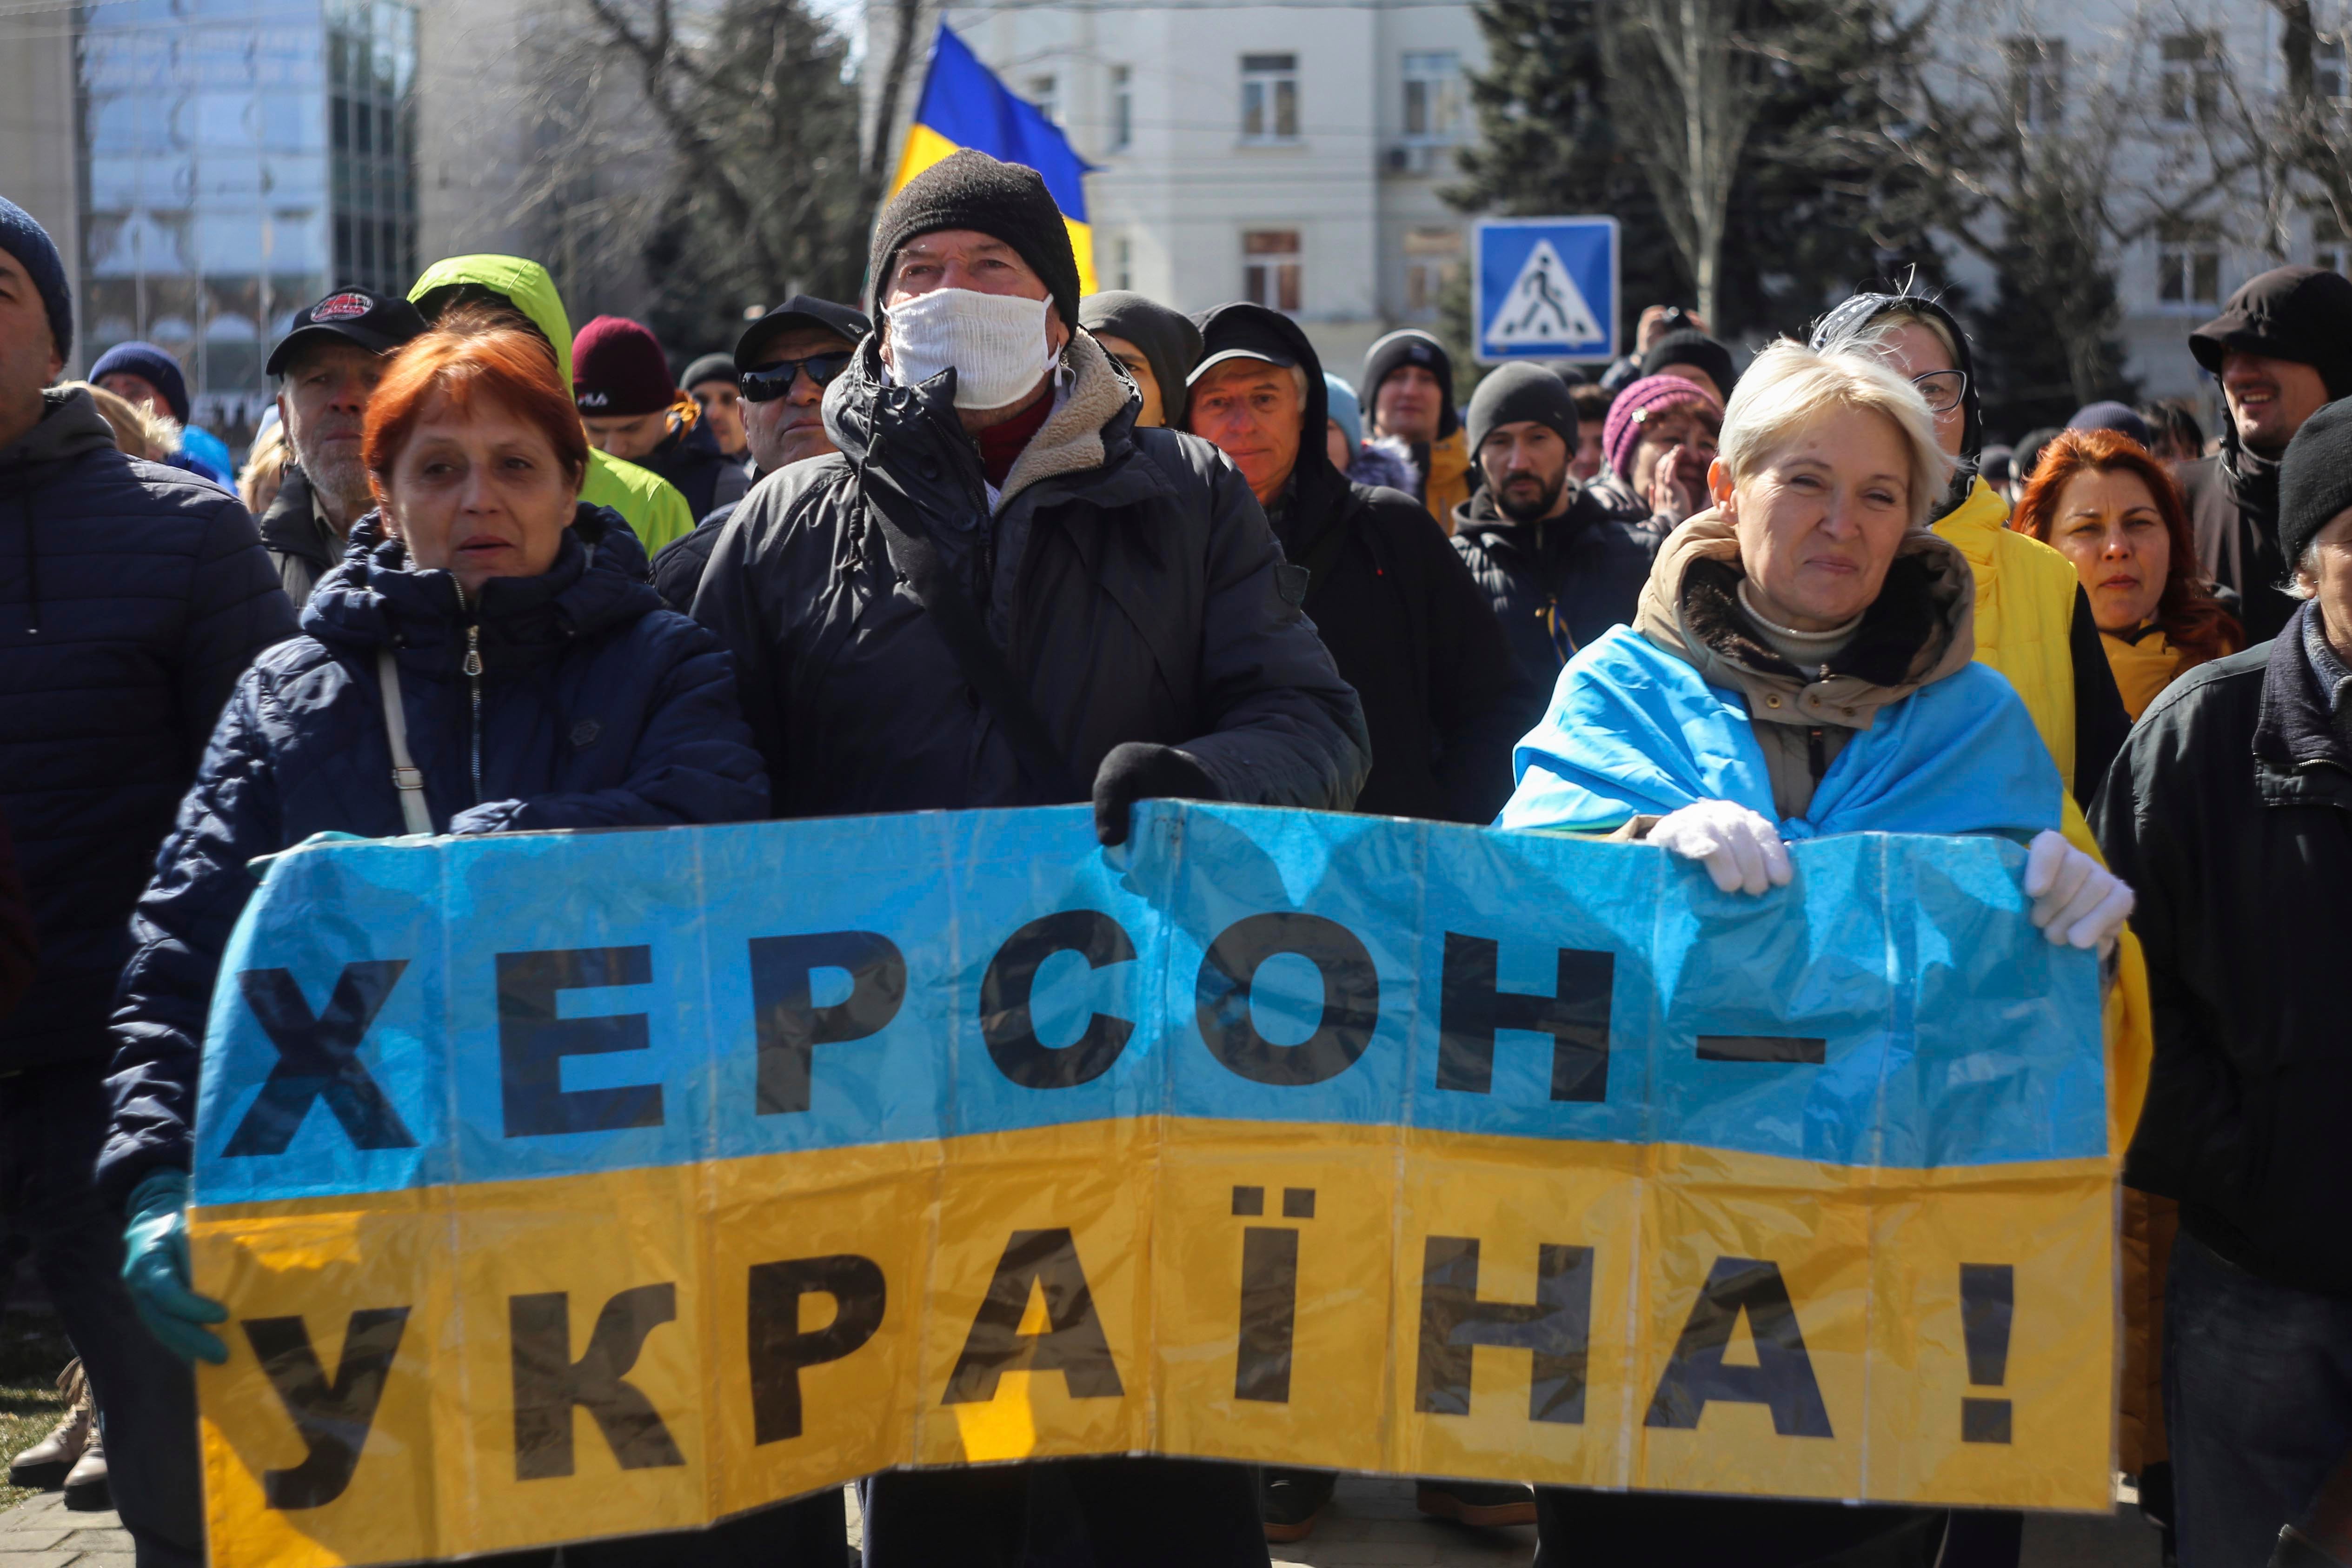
(1624, 431)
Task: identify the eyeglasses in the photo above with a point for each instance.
(1943, 389)
(771, 382)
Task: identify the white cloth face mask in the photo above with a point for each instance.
(995, 341)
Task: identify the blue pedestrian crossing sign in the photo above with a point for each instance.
(1546, 288)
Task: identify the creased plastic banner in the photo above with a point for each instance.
(573, 1185)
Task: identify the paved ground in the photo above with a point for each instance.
(39, 1533)
(1371, 1525)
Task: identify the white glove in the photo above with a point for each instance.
(1740, 849)
(2076, 899)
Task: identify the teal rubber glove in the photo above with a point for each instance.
(156, 1270)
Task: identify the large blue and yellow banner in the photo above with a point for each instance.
(571, 1185)
(964, 105)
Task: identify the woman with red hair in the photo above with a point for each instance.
(487, 657)
(2114, 510)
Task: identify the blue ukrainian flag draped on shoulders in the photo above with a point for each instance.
(965, 106)
(1635, 732)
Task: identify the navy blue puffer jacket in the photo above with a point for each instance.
(131, 597)
(597, 707)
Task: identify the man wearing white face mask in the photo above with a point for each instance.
(999, 592)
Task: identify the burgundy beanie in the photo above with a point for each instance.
(1624, 431)
(618, 368)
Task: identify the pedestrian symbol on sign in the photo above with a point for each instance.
(1544, 306)
(1545, 287)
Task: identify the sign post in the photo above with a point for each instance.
(1546, 288)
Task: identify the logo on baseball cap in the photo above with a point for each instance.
(344, 307)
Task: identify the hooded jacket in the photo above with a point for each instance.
(597, 707)
(1407, 623)
(2230, 812)
(650, 504)
(1556, 585)
(1127, 575)
(131, 597)
(1899, 732)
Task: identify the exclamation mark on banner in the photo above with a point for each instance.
(1988, 1300)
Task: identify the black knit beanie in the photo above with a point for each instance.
(1691, 347)
(1390, 355)
(2314, 478)
(1517, 392)
(972, 190)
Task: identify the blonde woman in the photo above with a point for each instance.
(1801, 665)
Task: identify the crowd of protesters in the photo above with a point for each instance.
(977, 541)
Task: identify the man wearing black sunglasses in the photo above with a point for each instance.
(786, 357)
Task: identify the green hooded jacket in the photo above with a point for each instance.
(652, 505)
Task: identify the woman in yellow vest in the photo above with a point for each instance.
(2102, 501)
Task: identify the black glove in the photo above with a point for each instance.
(1141, 771)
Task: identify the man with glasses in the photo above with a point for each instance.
(787, 356)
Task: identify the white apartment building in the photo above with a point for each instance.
(1289, 155)
(2174, 74)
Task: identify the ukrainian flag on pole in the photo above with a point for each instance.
(963, 105)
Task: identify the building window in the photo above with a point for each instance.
(1269, 98)
(2191, 88)
(1122, 108)
(1270, 267)
(2189, 264)
(2331, 84)
(1122, 262)
(2037, 81)
(1433, 96)
(1433, 259)
(1045, 94)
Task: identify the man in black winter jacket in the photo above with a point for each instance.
(2281, 348)
(2230, 812)
(131, 597)
(997, 593)
(1560, 567)
(1443, 697)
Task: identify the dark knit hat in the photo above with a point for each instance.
(2298, 313)
(1393, 354)
(618, 368)
(152, 365)
(2315, 478)
(1521, 392)
(1624, 431)
(972, 190)
(2120, 417)
(710, 367)
(22, 236)
(1691, 347)
(1170, 341)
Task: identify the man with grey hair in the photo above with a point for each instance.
(326, 368)
(2227, 808)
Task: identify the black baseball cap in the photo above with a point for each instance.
(1240, 334)
(377, 322)
(844, 321)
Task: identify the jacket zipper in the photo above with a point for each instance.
(1813, 751)
(474, 677)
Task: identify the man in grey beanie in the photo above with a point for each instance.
(1560, 567)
